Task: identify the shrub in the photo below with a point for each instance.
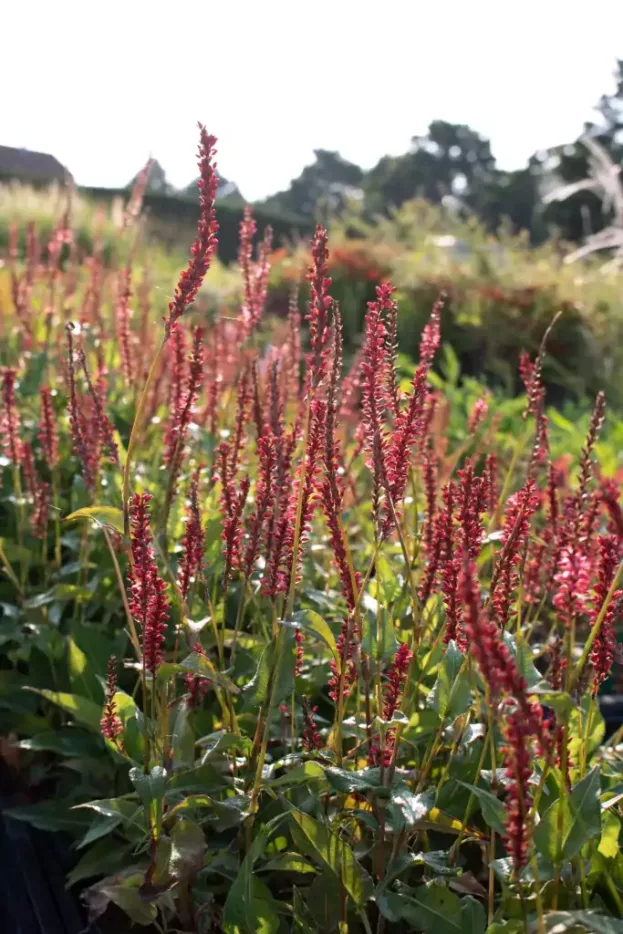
(324, 650)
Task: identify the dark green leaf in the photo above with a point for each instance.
(492, 809)
(188, 845)
(349, 782)
(451, 694)
(576, 922)
(51, 815)
(332, 852)
(67, 742)
(473, 918)
(249, 908)
(577, 816)
(405, 807)
(315, 625)
(104, 857)
(82, 709)
(433, 909)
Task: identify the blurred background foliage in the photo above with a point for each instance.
(502, 246)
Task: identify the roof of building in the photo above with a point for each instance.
(31, 166)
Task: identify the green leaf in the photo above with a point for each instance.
(349, 782)
(204, 779)
(451, 695)
(256, 690)
(431, 908)
(523, 657)
(315, 625)
(579, 817)
(151, 788)
(51, 815)
(492, 809)
(188, 846)
(182, 736)
(303, 919)
(249, 908)
(201, 665)
(123, 890)
(406, 808)
(133, 721)
(226, 814)
(578, 735)
(609, 843)
(332, 852)
(473, 918)
(388, 583)
(82, 679)
(299, 775)
(576, 922)
(99, 828)
(378, 635)
(220, 742)
(104, 857)
(82, 709)
(101, 515)
(68, 742)
(290, 862)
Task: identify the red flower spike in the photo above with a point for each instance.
(345, 650)
(516, 528)
(373, 382)
(205, 243)
(102, 429)
(381, 754)
(29, 469)
(232, 525)
(177, 366)
(254, 275)
(609, 493)
(122, 319)
(193, 544)
(41, 515)
(477, 414)
(110, 724)
(85, 436)
(147, 600)
(311, 738)
(263, 496)
(410, 427)
(518, 761)
(604, 646)
(9, 420)
(193, 385)
(319, 304)
(308, 478)
(48, 435)
(449, 564)
(497, 666)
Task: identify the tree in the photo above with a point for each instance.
(451, 159)
(582, 214)
(322, 188)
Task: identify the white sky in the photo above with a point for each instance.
(102, 84)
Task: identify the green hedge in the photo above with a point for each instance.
(168, 215)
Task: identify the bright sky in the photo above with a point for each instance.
(104, 85)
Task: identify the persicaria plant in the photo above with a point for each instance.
(325, 655)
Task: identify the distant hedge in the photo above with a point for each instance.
(171, 215)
